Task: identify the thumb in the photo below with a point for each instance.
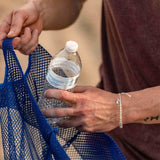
(17, 22)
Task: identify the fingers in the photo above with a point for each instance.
(28, 41)
(73, 121)
(12, 25)
(26, 44)
(2, 36)
(16, 25)
(68, 97)
(4, 28)
(19, 22)
(33, 43)
(25, 38)
(82, 89)
(79, 89)
(58, 112)
(70, 122)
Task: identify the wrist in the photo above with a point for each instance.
(130, 112)
(142, 107)
(122, 102)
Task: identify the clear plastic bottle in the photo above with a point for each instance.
(63, 73)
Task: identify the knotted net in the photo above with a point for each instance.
(26, 134)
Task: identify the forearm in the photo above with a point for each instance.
(142, 107)
(58, 14)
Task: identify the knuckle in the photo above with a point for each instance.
(109, 128)
(88, 129)
(26, 39)
(55, 112)
(87, 122)
(62, 95)
(82, 112)
(5, 22)
(85, 111)
(82, 101)
(24, 49)
(17, 12)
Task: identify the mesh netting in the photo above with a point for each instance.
(26, 133)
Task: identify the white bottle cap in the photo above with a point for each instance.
(71, 46)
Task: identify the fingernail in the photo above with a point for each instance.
(27, 29)
(48, 94)
(11, 33)
(36, 31)
(45, 93)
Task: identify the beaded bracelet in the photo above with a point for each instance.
(119, 102)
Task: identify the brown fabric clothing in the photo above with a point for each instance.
(131, 61)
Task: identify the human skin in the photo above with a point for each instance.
(29, 20)
(90, 109)
(94, 110)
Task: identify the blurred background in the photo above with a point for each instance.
(85, 31)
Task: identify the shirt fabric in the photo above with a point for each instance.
(131, 61)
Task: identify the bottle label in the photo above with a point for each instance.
(63, 74)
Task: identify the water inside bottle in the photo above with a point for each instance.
(45, 103)
(64, 72)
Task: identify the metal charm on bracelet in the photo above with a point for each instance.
(119, 102)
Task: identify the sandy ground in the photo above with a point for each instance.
(86, 31)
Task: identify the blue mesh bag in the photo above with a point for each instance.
(26, 134)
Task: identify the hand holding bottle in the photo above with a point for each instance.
(63, 73)
(90, 109)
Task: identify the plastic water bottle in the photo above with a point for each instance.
(63, 73)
